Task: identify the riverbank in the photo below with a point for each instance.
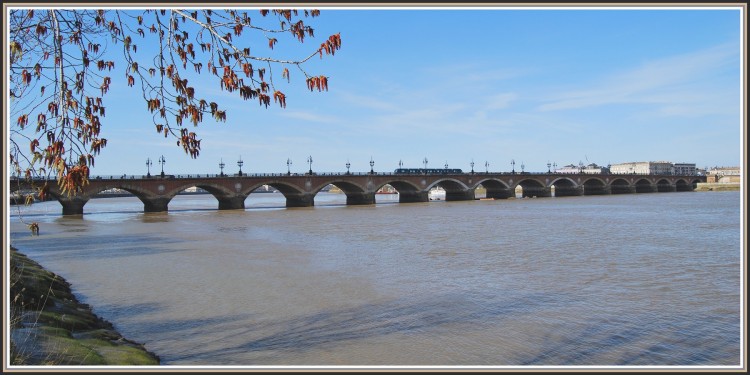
(49, 326)
(713, 186)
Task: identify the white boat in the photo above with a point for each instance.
(437, 194)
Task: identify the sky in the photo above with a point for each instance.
(490, 85)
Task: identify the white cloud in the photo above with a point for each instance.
(673, 81)
(310, 116)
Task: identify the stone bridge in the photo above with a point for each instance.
(360, 188)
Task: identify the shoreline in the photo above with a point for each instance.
(50, 326)
(717, 186)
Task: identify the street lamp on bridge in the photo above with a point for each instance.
(148, 166)
(548, 165)
(309, 162)
(400, 164)
(513, 166)
(162, 161)
(486, 167)
(425, 165)
(348, 164)
(446, 166)
(288, 163)
(554, 165)
(372, 164)
(221, 166)
(472, 166)
(239, 164)
(522, 167)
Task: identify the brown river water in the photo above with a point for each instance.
(622, 280)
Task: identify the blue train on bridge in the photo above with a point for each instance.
(427, 171)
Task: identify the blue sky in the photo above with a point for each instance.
(490, 85)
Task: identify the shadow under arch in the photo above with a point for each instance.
(620, 186)
(644, 186)
(495, 189)
(533, 188)
(564, 187)
(455, 190)
(595, 186)
(663, 186)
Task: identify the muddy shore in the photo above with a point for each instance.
(49, 326)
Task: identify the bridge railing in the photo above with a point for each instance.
(219, 175)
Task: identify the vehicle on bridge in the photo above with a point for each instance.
(427, 171)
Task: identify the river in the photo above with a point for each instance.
(620, 280)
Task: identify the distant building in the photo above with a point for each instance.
(595, 169)
(684, 169)
(587, 169)
(570, 168)
(724, 175)
(642, 167)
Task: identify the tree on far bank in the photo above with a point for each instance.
(63, 61)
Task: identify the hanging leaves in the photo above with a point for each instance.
(73, 77)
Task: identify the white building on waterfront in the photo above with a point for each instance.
(724, 174)
(586, 169)
(642, 167)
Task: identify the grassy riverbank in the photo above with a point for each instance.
(49, 326)
(703, 186)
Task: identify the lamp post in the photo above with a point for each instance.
(221, 166)
(148, 166)
(309, 162)
(162, 161)
(347, 166)
(446, 166)
(400, 164)
(522, 167)
(580, 166)
(239, 164)
(372, 164)
(472, 166)
(554, 165)
(486, 167)
(548, 165)
(425, 165)
(288, 163)
(513, 166)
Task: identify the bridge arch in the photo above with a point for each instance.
(531, 188)
(495, 188)
(295, 196)
(595, 186)
(564, 187)
(408, 192)
(644, 186)
(355, 194)
(455, 190)
(73, 205)
(620, 186)
(663, 185)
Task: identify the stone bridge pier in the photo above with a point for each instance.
(460, 195)
(156, 204)
(360, 198)
(537, 191)
(72, 205)
(565, 191)
(236, 202)
(300, 199)
(413, 196)
(499, 193)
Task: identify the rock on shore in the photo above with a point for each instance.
(49, 326)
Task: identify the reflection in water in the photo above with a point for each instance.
(647, 279)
